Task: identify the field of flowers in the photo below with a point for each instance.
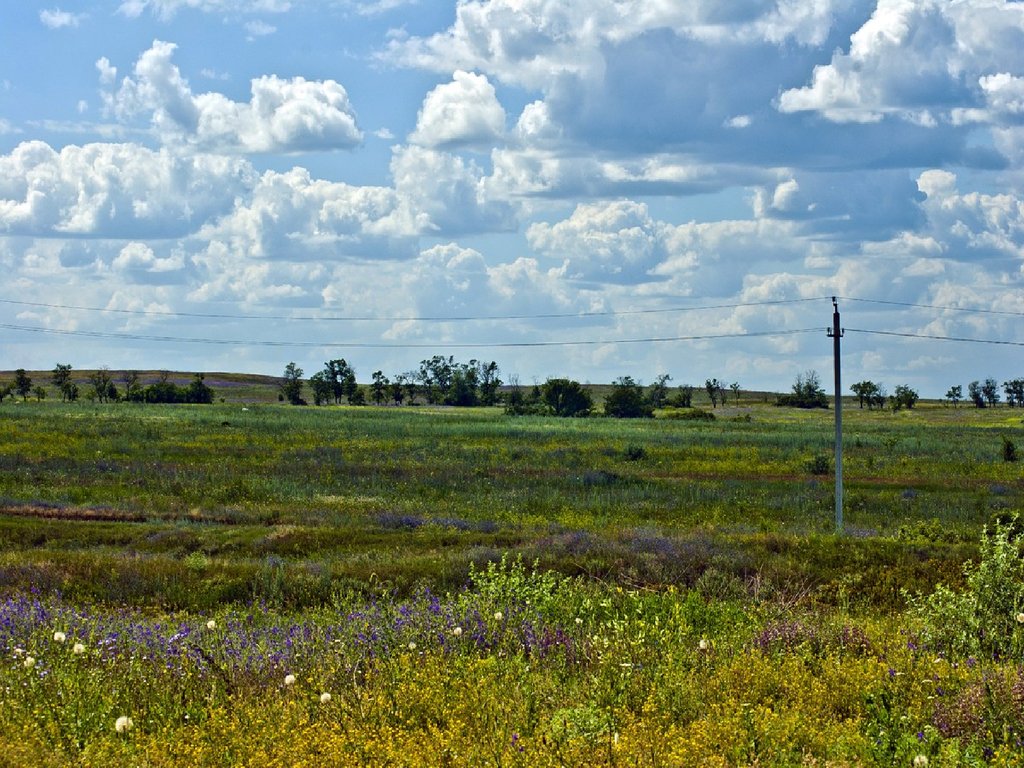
(275, 586)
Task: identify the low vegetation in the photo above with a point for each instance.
(247, 583)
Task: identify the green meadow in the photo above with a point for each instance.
(473, 588)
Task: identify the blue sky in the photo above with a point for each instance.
(570, 189)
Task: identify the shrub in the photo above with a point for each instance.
(987, 618)
(1009, 450)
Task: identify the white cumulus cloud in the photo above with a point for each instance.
(56, 18)
(464, 111)
(283, 115)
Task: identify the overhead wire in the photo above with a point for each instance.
(397, 345)
(424, 318)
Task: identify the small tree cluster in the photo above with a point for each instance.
(984, 394)
(869, 393)
(807, 392)
(627, 400)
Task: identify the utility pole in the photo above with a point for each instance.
(836, 332)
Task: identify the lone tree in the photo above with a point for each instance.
(627, 401)
(565, 397)
(22, 383)
(61, 379)
(974, 392)
(658, 392)
(714, 389)
(291, 385)
(868, 392)
(990, 391)
(1014, 389)
(903, 397)
(807, 392)
(955, 394)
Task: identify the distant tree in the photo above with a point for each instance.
(197, 391)
(868, 392)
(103, 388)
(22, 383)
(565, 397)
(435, 377)
(322, 387)
(990, 391)
(291, 384)
(342, 378)
(903, 397)
(807, 392)
(1014, 389)
(955, 394)
(133, 391)
(397, 390)
(357, 396)
(735, 387)
(714, 388)
(61, 378)
(519, 402)
(39, 392)
(974, 392)
(488, 382)
(411, 387)
(626, 400)
(6, 390)
(163, 390)
(462, 386)
(657, 394)
(380, 388)
(683, 397)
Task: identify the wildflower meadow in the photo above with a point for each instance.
(276, 586)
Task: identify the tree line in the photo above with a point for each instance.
(982, 394)
(102, 387)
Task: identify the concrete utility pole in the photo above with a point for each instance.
(836, 332)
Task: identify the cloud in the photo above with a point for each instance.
(259, 28)
(465, 111)
(56, 18)
(443, 194)
(140, 257)
(610, 242)
(167, 9)
(294, 115)
(113, 190)
(920, 62)
(292, 217)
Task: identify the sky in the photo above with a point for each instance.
(582, 190)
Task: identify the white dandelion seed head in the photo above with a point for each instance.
(211, 624)
(123, 724)
(289, 679)
(498, 616)
(579, 620)
(457, 631)
(920, 761)
(412, 646)
(1020, 618)
(29, 662)
(325, 697)
(59, 637)
(703, 644)
(78, 649)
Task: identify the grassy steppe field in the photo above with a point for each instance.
(257, 584)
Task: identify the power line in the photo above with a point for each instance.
(398, 345)
(935, 337)
(944, 308)
(423, 319)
